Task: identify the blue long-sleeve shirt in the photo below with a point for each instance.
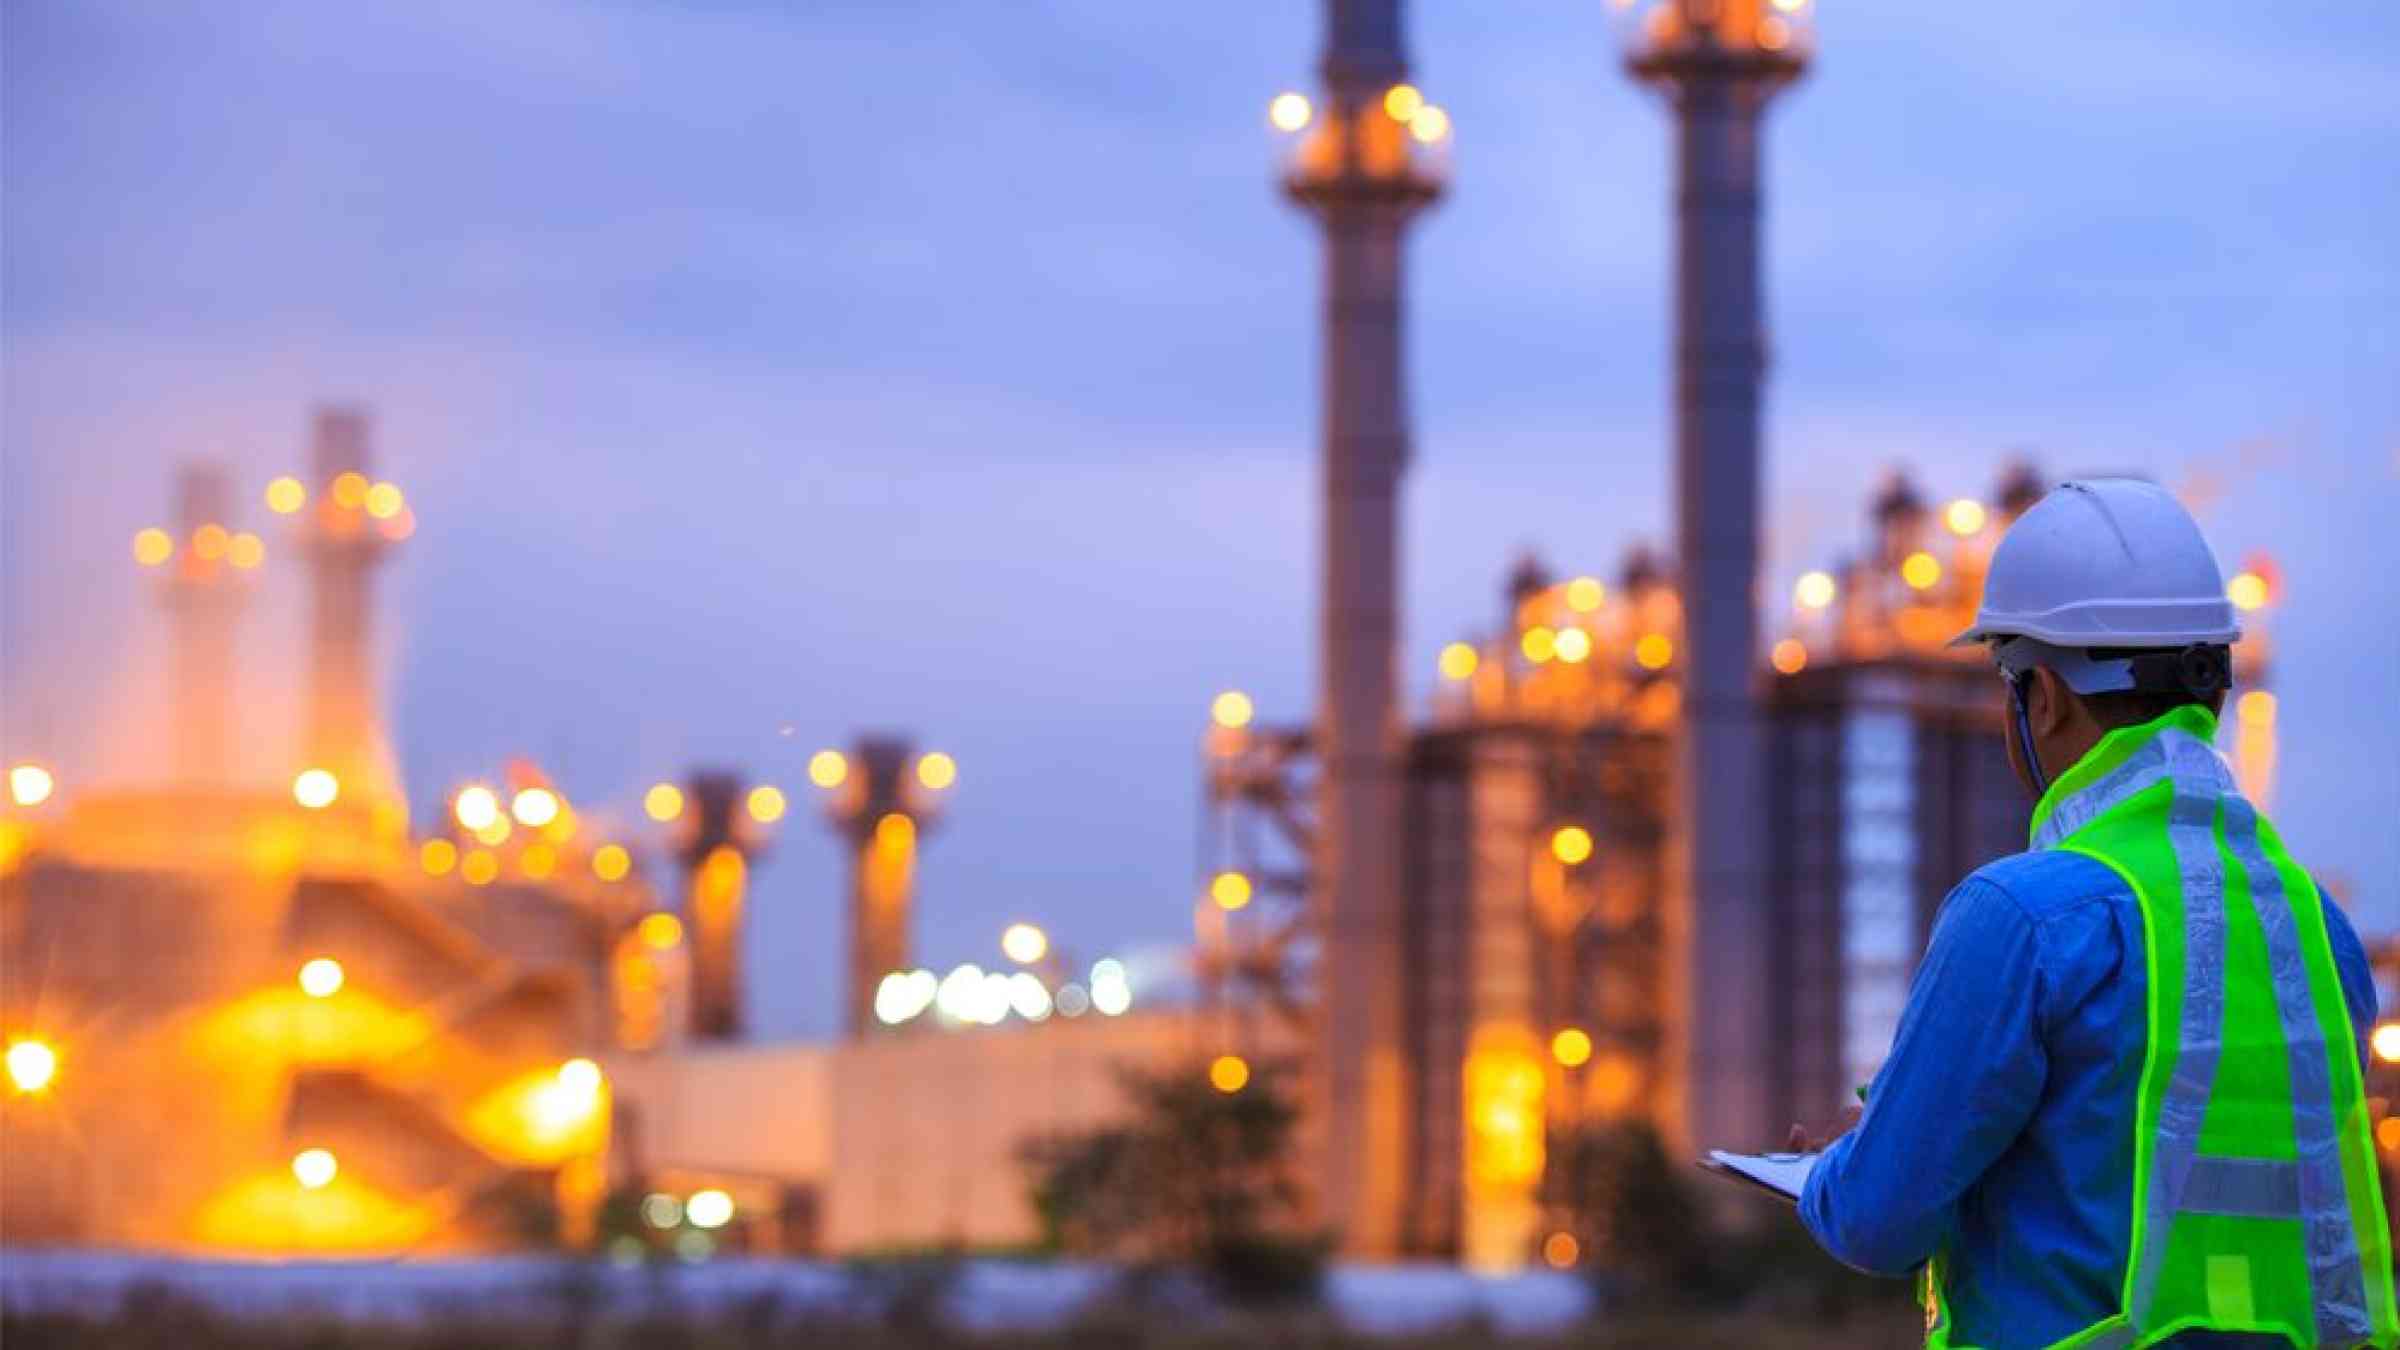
(2002, 1122)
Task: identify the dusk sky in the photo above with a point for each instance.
(761, 373)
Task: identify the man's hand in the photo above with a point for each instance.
(1801, 1141)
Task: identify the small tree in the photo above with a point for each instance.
(1193, 1176)
(1648, 1235)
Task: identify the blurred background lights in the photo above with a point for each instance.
(2387, 1042)
(1814, 590)
(1964, 516)
(384, 501)
(1402, 102)
(610, 862)
(1289, 111)
(1920, 570)
(1790, 656)
(1458, 661)
(350, 490)
(1584, 594)
(1654, 651)
(314, 1168)
(1231, 709)
(210, 542)
(30, 784)
(1112, 990)
(439, 856)
(32, 1065)
(1231, 890)
(535, 806)
(580, 1076)
(904, 994)
(152, 547)
(1024, 944)
(315, 789)
(1539, 644)
(659, 931)
(766, 803)
(1028, 997)
(286, 495)
(496, 831)
(247, 551)
(1430, 126)
(321, 977)
(2257, 707)
(1229, 1073)
(663, 802)
(1560, 1250)
(1571, 1047)
(477, 807)
(661, 1210)
(1572, 645)
(709, 1209)
(937, 771)
(479, 867)
(895, 831)
(538, 861)
(827, 768)
(1072, 1001)
(2247, 590)
(1571, 844)
(955, 997)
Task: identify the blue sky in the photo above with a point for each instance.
(762, 373)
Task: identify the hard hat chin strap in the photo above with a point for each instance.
(2021, 727)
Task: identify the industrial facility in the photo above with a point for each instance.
(1656, 850)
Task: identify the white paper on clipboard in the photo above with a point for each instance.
(1785, 1174)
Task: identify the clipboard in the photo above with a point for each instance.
(1783, 1175)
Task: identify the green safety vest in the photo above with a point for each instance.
(2256, 1204)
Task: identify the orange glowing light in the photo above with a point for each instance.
(210, 542)
(315, 789)
(1229, 1073)
(1964, 516)
(2257, 708)
(1430, 126)
(1920, 570)
(1560, 1251)
(1654, 651)
(152, 547)
(2247, 590)
(1584, 594)
(1790, 656)
(660, 931)
(1289, 112)
(534, 806)
(663, 802)
(494, 834)
(895, 831)
(1571, 844)
(315, 1168)
(538, 861)
(438, 856)
(286, 495)
(766, 804)
(476, 807)
(350, 490)
(2386, 1041)
(384, 500)
(321, 977)
(610, 862)
(937, 771)
(1231, 890)
(1402, 102)
(2387, 1134)
(1774, 34)
(1573, 646)
(479, 867)
(1571, 1047)
(827, 768)
(1459, 661)
(246, 551)
(1539, 644)
(1232, 709)
(1814, 590)
(32, 1066)
(401, 526)
(30, 784)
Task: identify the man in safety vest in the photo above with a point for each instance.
(2124, 1104)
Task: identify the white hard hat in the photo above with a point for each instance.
(2105, 562)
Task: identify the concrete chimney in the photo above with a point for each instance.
(716, 855)
(203, 599)
(1360, 173)
(882, 816)
(345, 543)
(1719, 65)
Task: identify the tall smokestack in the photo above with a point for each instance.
(1719, 62)
(883, 810)
(351, 524)
(1361, 173)
(716, 856)
(203, 599)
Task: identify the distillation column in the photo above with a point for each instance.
(1356, 172)
(1719, 62)
(347, 534)
(882, 807)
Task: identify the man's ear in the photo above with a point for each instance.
(2048, 704)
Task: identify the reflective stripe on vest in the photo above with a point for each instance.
(2310, 1224)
